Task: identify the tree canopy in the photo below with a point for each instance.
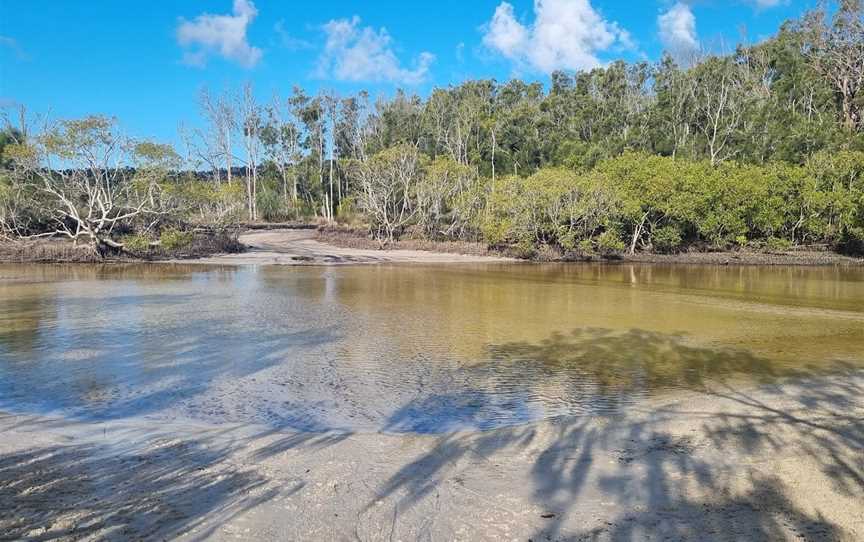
(764, 145)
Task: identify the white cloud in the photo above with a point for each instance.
(677, 28)
(765, 4)
(355, 53)
(565, 34)
(287, 41)
(223, 35)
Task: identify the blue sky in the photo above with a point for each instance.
(145, 62)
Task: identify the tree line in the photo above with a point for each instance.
(760, 146)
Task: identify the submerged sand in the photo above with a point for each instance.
(779, 462)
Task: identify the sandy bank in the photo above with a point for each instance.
(301, 247)
(773, 463)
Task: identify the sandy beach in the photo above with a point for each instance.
(301, 247)
(779, 462)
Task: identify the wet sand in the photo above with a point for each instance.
(779, 462)
(302, 247)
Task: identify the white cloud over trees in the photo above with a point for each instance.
(221, 35)
(565, 34)
(353, 52)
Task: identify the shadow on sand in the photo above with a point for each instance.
(169, 488)
(677, 472)
(683, 470)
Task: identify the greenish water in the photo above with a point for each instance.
(408, 348)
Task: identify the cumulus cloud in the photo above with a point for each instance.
(677, 28)
(357, 53)
(565, 34)
(223, 35)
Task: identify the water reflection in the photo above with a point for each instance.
(403, 348)
(634, 360)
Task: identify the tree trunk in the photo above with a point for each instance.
(637, 233)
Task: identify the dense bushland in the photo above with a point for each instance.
(763, 147)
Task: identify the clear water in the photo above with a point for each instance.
(408, 348)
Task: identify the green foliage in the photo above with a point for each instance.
(586, 246)
(200, 200)
(273, 207)
(554, 206)
(777, 244)
(667, 239)
(137, 243)
(610, 241)
(447, 199)
(175, 239)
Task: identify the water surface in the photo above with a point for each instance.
(409, 348)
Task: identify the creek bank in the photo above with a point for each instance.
(808, 256)
(198, 245)
(308, 244)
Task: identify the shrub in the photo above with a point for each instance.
(137, 243)
(610, 241)
(174, 239)
(852, 242)
(666, 239)
(273, 207)
(586, 246)
(778, 244)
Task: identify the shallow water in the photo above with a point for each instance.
(408, 348)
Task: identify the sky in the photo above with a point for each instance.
(145, 62)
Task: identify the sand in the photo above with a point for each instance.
(300, 247)
(779, 462)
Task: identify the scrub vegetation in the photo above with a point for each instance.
(761, 148)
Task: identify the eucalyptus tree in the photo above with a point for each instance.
(310, 112)
(218, 144)
(671, 116)
(394, 122)
(718, 97)
(332, 106)
(280, 136)
(252, 123)
(838, 54)
(350, 135)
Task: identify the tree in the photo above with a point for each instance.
(251, 121)
(280, 136)
(222, 118)
(838, 54)
(445, 198)
(387, 182)
(672, 113)
(331, 110)
(81, 166)
(718, 101)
